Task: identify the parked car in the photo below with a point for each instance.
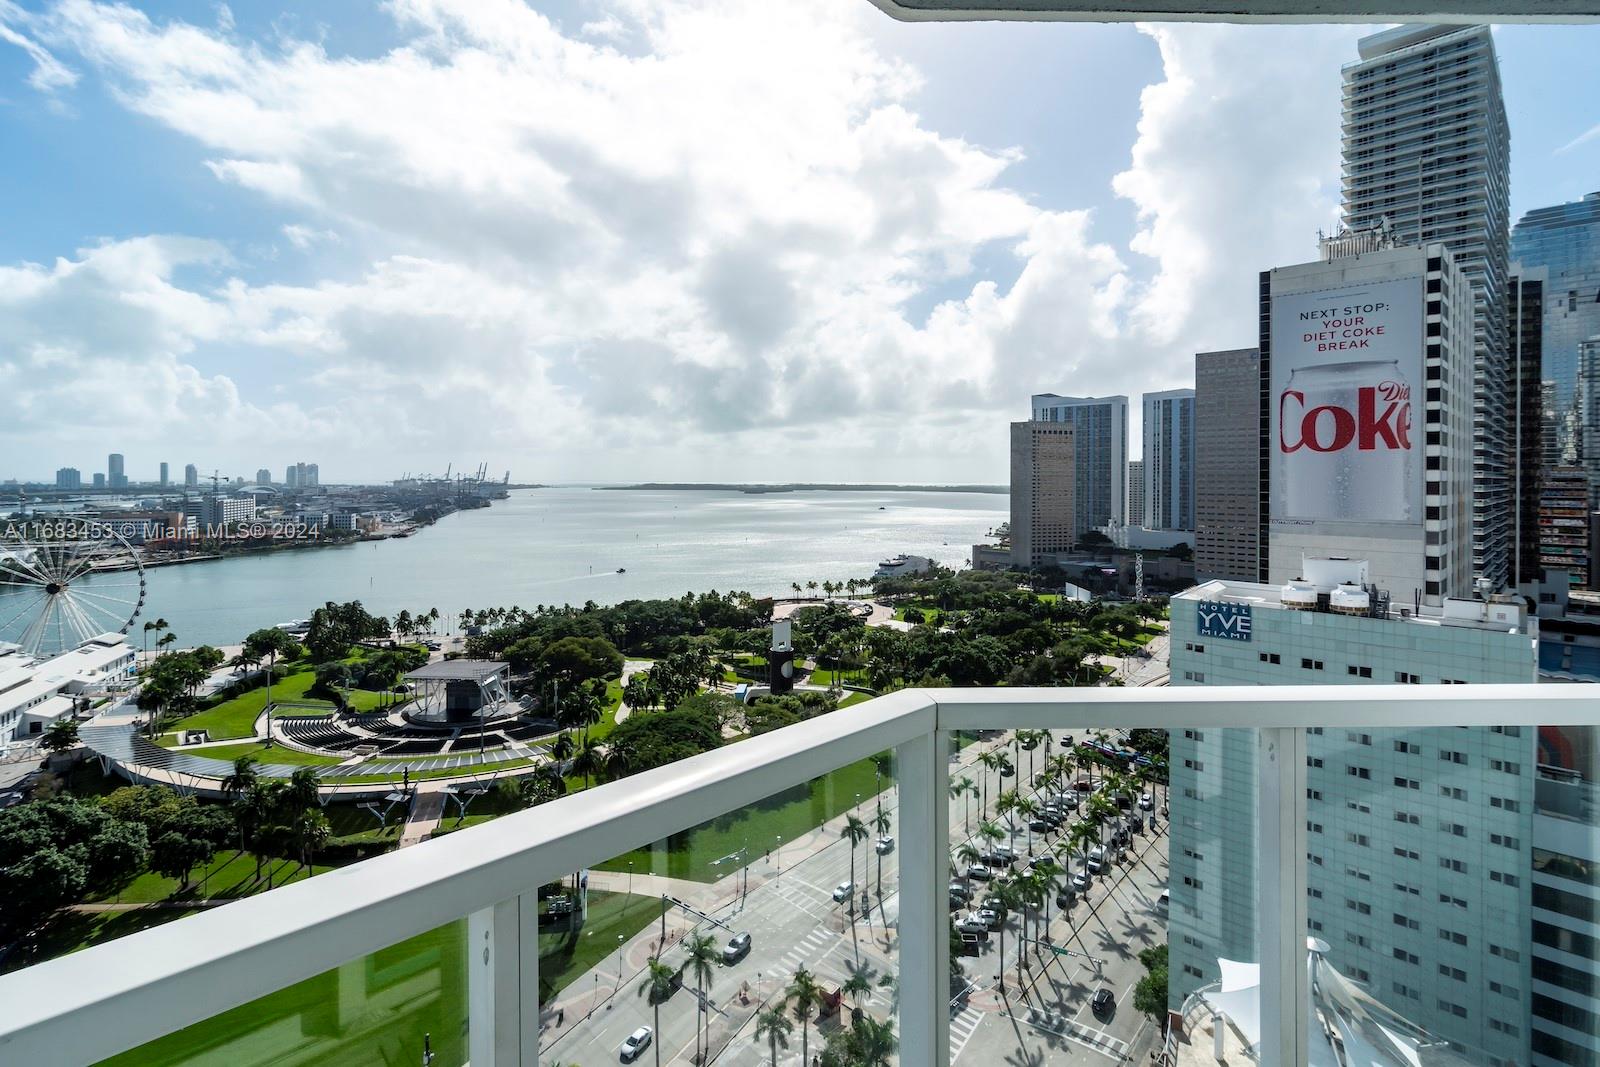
(1041, 825)
(1164, 901)
(1080, 882)
(1043, 863)
(959, 890)
(635, 1043)
(842, 891)
(737, 948)
(1065, 896)
(1147, 802)
(993, 903)
(1005, 851)
(973, 923)
(991, 918)
(998, 859)
(1103, 1002)
(1096, 865)
(884, 846)
(978, 870)
(1007, 771)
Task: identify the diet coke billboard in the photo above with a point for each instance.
(1347, 404)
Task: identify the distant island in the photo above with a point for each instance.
(814, 487)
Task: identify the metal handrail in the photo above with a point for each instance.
(95, 1003)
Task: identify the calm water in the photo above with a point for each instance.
(553, 546)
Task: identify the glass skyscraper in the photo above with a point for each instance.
(1565, 240)
(1100, 435)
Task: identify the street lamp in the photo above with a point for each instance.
(630, 885)
(619, 962)
(778, 854)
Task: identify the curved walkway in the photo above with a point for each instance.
(630, 667)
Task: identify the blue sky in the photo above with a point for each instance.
(650, 239)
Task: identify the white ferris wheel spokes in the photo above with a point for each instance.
(66, 582)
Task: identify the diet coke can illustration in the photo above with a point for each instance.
(1346, 450)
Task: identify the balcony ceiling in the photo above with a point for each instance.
(1463, 11)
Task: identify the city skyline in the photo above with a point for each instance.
(326, 315)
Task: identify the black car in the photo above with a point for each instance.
(1041, 825)
(1103, 1002)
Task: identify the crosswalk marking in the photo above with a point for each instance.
(962, 1027)
(1098, 1040)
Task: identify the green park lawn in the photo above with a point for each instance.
(236, 717)
(791, 814)
(374, 1010)
(266, 754)
(565, 956)
(230, 875)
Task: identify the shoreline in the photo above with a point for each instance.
(757, 488)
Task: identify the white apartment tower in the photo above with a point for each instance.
(1366, 367)
(1427, 150)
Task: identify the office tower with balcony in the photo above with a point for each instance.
(1564, 524)
(1565, 240)
(1525, 294)
(191, 476)
(1419, 842)
(1136, 492)
(1100, 441)
(115, 478)
(69, 478)
(1227, 415)
(1043, 492)
(1169, 460)
(1396, 489)
(1427, 152)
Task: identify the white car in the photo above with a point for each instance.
(1164, 901)
(885, 845)
(636, 1043)
(841, 892)
(1147, 802)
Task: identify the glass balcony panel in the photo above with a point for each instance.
(395, 1006)
(1452, 897)
(1058, 898)
(796, 922)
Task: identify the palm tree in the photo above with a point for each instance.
(703, 956)
(1005, 889)
(772, 1024)
(968, 788)
(796, 587)
(1005, 806)
(870, 1044)
(968, 854)
(1027, 809)
(242, 779)
(991, 762)
(802, 996)
(881, 824)
(656, 987)
(310, 832)
(991, 833)
(856, 831)
(856, 986)
(589, 759)
(812, 586)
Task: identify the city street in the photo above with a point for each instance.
(794, 922)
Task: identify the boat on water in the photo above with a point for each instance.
(622, 570)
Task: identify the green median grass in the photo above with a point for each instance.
(791, 814)
(565, 956)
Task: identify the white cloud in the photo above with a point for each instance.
(609, 266)
(49, 73)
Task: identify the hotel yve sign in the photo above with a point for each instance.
(1230, 621)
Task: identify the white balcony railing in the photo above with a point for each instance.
(93, 1004)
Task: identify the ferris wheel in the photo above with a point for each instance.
(62, 583)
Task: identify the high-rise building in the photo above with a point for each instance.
(1353, 348)
(291, 476)
(1136, 492)
(191, 476)
(1525, 295)
(69, 478)
(165, 472)
(115, 478)
(1564, 523)
(1169, 460)
(99, 480)
(1426, 836)
(313, 476)
(263, 477)
(1227, 416)
(1427, 151)
(1043, 492)
(1588, 414)
(1565, 240)
(1100, 439)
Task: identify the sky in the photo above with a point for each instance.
(618, 240)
